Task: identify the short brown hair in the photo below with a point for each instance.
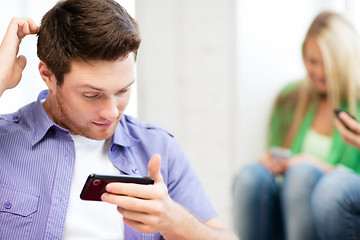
(84, 30)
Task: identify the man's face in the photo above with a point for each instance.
(93, 97)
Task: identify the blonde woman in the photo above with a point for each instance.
(302, 125)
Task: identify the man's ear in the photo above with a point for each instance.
(47, 75)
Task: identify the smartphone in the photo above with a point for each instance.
(337, 111)
(95, 184)
(280, 153)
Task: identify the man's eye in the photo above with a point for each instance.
(90, 96)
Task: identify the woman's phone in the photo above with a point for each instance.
(95, 184)
(337, 111)
(280, 153)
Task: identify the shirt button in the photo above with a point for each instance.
(113, 148)
(135, 170)
(15, 118)
(7, 205)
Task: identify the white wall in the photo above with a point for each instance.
(187, 84)
(269, 56)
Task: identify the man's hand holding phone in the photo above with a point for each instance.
(349, 128)
(144, 207)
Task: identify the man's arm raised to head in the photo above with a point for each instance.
(11, 65)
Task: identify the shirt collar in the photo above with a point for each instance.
(42, 121)
(120, 154)
(122, 136)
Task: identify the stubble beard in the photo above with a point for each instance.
(62, 117)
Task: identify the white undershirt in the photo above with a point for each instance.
(91, 219)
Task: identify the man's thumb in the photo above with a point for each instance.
(21, 62)
(154, 168)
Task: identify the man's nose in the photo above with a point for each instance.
(109, 110)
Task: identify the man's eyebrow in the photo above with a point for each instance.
(100, 90)
(127, 86)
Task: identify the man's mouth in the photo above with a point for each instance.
(103, 125)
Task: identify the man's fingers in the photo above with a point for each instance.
(20, 26)
(133, 190)
(23, 30)
(17, 30)
(129, 203)
(26, 26)
(33, 27)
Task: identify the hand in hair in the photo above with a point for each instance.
(11, 65)
(350, 137)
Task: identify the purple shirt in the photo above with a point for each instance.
(37, 163)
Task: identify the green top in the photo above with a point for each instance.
(317, 145)
(340, 152)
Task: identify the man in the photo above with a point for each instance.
(87, 51)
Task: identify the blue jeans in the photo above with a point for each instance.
(265, 209)
(336, 206)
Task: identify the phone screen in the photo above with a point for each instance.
(95, 184)
(280, 153)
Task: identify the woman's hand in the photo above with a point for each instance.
(305, 158)
(275, 166)
(279, 166)
(350, 137)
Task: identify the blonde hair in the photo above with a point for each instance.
(339, 44)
